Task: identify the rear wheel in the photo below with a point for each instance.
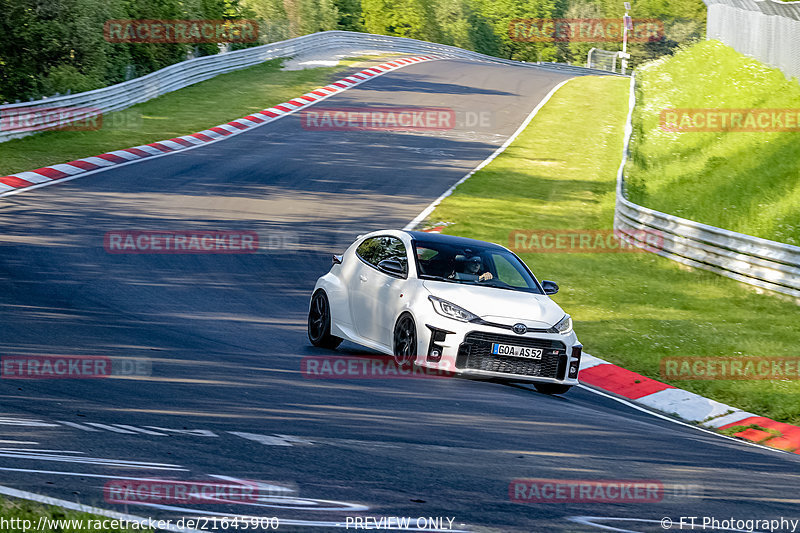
(319, 322)
(552, 388)
(405, 341)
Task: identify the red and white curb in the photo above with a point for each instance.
(686, 405)
(41, 177)
(600, 375)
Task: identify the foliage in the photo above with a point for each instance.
(742, 181)
(58, 46)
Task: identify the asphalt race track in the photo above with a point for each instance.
(225, 335)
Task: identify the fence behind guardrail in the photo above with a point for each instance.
(768, 30)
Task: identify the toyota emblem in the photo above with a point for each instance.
(520, 329)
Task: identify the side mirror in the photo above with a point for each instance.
(392, 266)
(550, 287)
(336, 259)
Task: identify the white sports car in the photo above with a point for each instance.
(446, 303)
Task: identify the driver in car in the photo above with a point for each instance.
(472, 271)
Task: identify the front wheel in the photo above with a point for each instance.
(319, 322)
(552, 388)
(405, 341)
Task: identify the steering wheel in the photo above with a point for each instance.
(497, 281)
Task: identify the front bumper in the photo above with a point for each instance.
(465, 348)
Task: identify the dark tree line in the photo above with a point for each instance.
(55, 46)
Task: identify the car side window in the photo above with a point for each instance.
(395, 249)
(369, 251)
(375, 249)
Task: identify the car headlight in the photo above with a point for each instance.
(445, 308)
(563, 326)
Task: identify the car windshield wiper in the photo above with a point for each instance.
(440, 278)
(505, 287)
(478, 284)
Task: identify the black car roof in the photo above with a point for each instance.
(451, 239)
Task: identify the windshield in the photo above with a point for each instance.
(473, 265)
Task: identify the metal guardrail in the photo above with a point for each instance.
(760, 262)
(768, 30)
(84, 105)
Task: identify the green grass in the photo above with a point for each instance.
(629, 308)
(21, 510)
(733, 430)
(189, 110)
(743, 181)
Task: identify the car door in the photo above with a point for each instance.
(373, 292)
(390, 293)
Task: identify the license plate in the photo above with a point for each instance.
(516, 351)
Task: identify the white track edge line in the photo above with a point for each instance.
(187, 148)
(656, 414)
(428, 210)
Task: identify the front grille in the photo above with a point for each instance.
(475, 353)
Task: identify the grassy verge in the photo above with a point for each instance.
(629, 308)
(743, 181)
(20, 516)
(182, 112)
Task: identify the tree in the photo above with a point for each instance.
(350, 15)
(403, 18)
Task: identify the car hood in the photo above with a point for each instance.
(499, 305)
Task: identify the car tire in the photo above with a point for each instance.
(319, 322)
(552, 388)
(404, 341)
